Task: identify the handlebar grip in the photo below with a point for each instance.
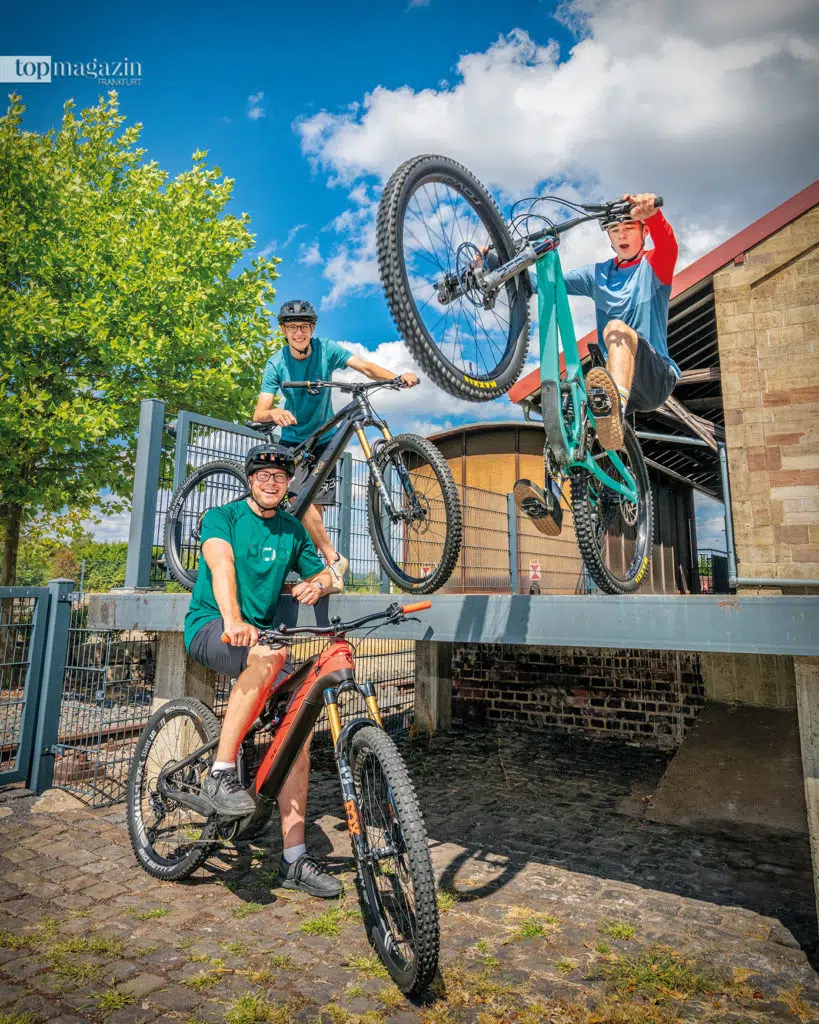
(658, 202)
(419, 606)
(299, 383)
(225, 638)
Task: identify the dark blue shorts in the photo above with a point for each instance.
(654, 379)
(327, 493)
(207, 648)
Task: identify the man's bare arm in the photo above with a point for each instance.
(265, 413)
(376, 372)
(219, 556)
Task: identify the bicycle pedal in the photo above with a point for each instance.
(600, 402)
(542, 507)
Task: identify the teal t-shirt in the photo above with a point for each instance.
(264, 550)
(310, 410)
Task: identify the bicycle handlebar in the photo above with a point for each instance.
(394, 613)
(315, 385)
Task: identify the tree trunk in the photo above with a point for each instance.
(11, 542)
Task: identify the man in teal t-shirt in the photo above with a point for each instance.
(308, 358)
(248, 548)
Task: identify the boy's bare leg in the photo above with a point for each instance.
(621, 343)
(314, 524)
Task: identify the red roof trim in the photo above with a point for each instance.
(704, 267)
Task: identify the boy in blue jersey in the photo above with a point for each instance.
(306, 357)
(631, 293)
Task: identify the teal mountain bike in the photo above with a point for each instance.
(456, 278)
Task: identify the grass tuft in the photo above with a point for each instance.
(614, 929)
(660, 974)
(112, 999)
(446, 900)
(368, 966)
(202, 981)
(246, 909)
(148, 915)
(535, 926)
(329, 923)
(10, 1017)
(252, 1008)
(236, 948)
(10, 940)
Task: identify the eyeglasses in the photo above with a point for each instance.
(263, 475)
(298, 328)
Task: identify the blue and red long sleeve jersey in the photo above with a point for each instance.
(635, 291)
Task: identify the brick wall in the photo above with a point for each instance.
(767, 314)
(648, 698)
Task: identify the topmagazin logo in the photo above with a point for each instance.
(43, 69)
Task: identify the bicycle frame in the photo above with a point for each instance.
(312, 687)
(351, 420)
(566, 435)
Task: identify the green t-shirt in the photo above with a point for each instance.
(264, 550)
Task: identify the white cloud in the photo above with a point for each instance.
(310, 254)
(255, 110)
(424, 409)
(273, 247)
(711, 105)
(710, 518)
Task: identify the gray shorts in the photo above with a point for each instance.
(207, 648)
(327, 492)
(654, 379)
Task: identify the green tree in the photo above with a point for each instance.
(117, 283)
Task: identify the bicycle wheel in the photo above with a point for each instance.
(169, 840)
(614, 535)
(419, 546)
(209, 486)
(433, 218)
(396, 880)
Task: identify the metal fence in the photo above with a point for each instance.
(108, 687)
(23, 616)
(713, 571)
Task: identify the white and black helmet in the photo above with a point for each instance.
(265, 456)
(297, 309)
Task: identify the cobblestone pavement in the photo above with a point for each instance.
(559, 902)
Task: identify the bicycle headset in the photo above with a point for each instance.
(264, 456)
(297, 309)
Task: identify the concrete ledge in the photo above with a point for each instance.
(742, 625)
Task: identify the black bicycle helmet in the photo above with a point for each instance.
(265, 456)
(297, 309)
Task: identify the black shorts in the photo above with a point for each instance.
(654, 379)
(327, 492)
(207, 648)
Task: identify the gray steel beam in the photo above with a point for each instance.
(146, 487)
(736, 625)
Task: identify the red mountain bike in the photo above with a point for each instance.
(173, 831)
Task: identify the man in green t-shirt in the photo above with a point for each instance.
(248, 548)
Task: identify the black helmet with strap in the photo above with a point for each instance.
(297, 309)
(266, 456)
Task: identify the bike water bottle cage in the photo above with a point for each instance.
(297, 309)
(264, 456)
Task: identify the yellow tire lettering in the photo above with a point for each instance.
(642, 571)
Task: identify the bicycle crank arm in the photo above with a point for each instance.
(189, 800)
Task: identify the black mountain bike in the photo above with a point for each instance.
(413, 510)
(173, 830)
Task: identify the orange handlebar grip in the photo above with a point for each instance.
(419, 606)
(225, 638)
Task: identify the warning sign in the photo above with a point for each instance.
(426, 569)
(534, 571)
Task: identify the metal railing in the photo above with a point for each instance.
(501, 551)
(23, 623)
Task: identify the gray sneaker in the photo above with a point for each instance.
(338, 570)
(307, 875)
(227, 795)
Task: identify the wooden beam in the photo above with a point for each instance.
(674, 408)
(704, 403)
(682, 479)
(701, 375)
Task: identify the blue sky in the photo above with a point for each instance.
(310, 108)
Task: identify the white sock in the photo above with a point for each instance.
(221, 766)
(624, 393)
(292, 853)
